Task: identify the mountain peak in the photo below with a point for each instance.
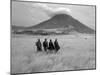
(63, 21)
(60, 16)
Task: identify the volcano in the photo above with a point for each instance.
(63, 21)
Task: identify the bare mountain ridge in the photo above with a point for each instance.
(60, 23)
(63, 21)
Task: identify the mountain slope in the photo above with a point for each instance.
(63, 21)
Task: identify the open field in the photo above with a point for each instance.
(77, 52)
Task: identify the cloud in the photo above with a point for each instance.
(50, 11)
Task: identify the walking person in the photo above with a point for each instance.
(45, 45)
(51, 46)
(39, 45)
(56, 45)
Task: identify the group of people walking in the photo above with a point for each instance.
(48, 46)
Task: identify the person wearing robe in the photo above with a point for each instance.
(56, 45)
(51, 45)
(45, 45)
(39, 45)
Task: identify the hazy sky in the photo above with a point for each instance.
(30, 13)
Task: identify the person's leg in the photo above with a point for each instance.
(37, 49)
(45, 49)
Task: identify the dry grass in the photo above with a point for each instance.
(76, 53)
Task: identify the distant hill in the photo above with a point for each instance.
(13, 27)
(63, 21)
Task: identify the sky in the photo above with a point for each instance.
(32, 13)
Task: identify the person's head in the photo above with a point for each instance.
(45, 39)
(38, 39)
(50, 40)
(56, 39)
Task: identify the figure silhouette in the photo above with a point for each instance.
(39, 45)
(56, 45)
(51, 46)
(45, 45)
